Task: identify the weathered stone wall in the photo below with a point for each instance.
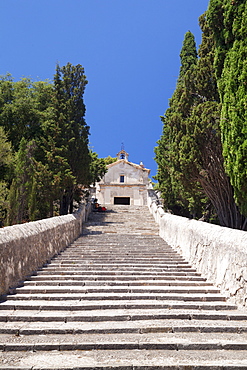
(24, 248)
(218, 253)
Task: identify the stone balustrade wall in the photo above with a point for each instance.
(26, 247)
(218, 253)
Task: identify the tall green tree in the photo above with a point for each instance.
(43, 123)
(67, 134)
(201, 154)
(178, 197)
(228, 21)
(193, 125)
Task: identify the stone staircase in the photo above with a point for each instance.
(120, 298)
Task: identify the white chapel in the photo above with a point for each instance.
(124, 183)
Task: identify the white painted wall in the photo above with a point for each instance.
(131, 172)
(134, 186)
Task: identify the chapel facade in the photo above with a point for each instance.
(124, 183)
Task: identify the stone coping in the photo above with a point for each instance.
(218, 253)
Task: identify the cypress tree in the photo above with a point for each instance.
(178, 196)
(231, 69)
(67, 134)
(193, 128)
(188, 55)
(201, 157)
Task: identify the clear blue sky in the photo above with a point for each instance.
(130, 52)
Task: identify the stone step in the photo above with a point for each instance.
(143, 251)
(29, 289)
(81, 305)
(133, 268)
(124, 282)
(115, 272)
(120, 278)
(125, 341)
(113, 257)
(111, 296)
(140, 252)
(108, 241)
(89, 246)
(171, 266)
(125, 315)
(116, 237)
(123, 360)
(127, 286)
(120, 360)
(109, 327)
(107, 248)
(118, 260)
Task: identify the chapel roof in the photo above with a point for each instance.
(137, 166)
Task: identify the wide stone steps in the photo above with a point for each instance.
(120, 298)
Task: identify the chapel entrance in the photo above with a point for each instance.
(122, 200)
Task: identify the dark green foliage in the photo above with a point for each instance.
(21, 188)
(6, 159)
(44, 124)
(189, 154)
(109, 160)
(188, 54)
(97, 168)
(66, 134)
(22, 108)
(181, 196)
(231, 64)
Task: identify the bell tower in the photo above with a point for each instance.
(123, 154)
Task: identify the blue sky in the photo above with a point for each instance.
(130, 52)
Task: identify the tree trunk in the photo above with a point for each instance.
(71, 206)
(216, 184)
(51, 208)
(64, 204)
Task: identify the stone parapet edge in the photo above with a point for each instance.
(26, 247)
(218, 253)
